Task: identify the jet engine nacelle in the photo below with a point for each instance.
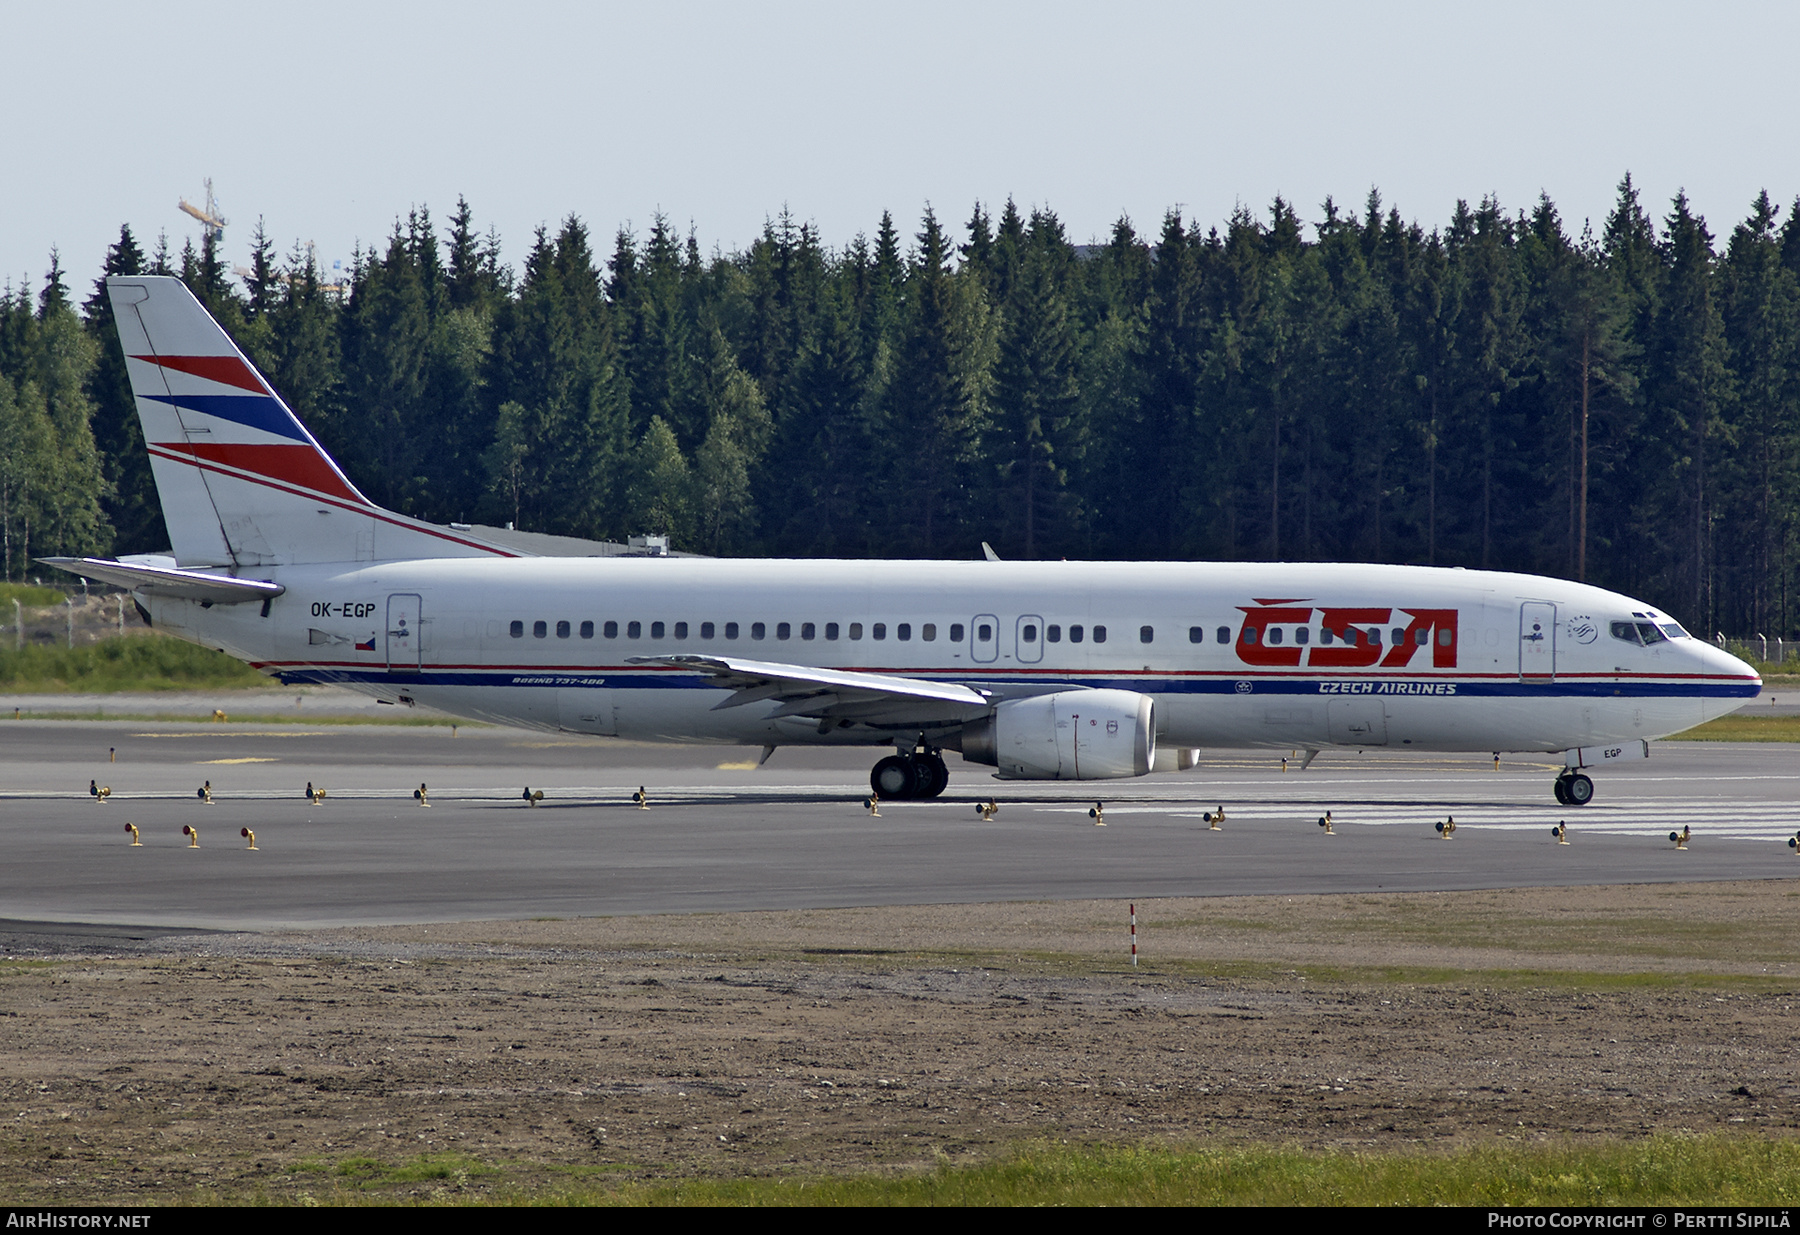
(1071, 735)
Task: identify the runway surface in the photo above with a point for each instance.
(723, 834)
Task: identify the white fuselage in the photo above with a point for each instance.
(1234, 655)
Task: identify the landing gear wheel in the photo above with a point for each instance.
(930, 776)
(892, 779)
(1580, 790)
(1561, 789)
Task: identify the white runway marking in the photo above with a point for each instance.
(1772, 821)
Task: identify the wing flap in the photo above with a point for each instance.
(802, 690)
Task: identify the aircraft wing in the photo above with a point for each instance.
(169, 580)
(832, 694)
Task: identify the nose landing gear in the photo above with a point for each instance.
(1574, 789)
(921, 774)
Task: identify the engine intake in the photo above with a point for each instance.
(1070, 735)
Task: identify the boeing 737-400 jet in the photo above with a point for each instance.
(1039, 670)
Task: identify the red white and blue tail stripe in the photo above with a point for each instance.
(241, 480)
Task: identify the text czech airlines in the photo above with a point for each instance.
(1387, 688)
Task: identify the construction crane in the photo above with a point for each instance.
(210, 219)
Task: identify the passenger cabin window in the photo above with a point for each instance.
(610, 630)
(1302, 635)
(903, 631)
(1099, 634)
(1147, 634)
(1224, 634)
(518, 630)
(539, 629)
(656, 630)
(1028, 634)
(956, 632)
(928, 632)
(706, 630)
(562, 630)
(1275, 635)
(1052, 634)
(1196, 634)
(731, 630)
(1397, 636)
(783, 630)
(1074, 634)
(758, 630)
(681, 630)
(984, 633)
(587, 630)
(831, 630)
(879, 631)
(856, 630)
(808, 630)
(633, 629)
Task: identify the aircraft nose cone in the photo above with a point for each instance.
(1729, 683)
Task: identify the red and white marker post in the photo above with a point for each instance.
(1134, 936)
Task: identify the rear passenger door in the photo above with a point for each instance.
(1028, 639)
(984, 638)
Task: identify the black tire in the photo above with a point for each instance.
(918, 771)
(1580, 790)
(1561, 790)
(892, 779)
(940, 775)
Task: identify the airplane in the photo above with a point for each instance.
(1036, 670)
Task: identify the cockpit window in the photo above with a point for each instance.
(1673, 630)
(1626, 631)
(1650, 633)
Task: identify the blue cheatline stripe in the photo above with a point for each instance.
(252, 411)
(1414, 688)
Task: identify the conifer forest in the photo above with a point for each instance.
(1619, 406)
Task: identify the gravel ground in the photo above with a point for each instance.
(140, 1067)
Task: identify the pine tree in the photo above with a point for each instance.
(1759, 302)
(1036, 431)
(1689, 392)
(937, 401)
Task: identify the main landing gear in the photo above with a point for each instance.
(921, 774)
(1574, 789)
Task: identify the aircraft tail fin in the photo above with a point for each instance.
(242, 482)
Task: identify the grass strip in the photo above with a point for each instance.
(29, 596)
(1743, 727)
(1662, 1170)
(146, 662)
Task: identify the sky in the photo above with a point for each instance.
(331, 120)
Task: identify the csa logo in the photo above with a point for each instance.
(1350, 638)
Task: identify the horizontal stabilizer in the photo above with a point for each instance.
(168, 580)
